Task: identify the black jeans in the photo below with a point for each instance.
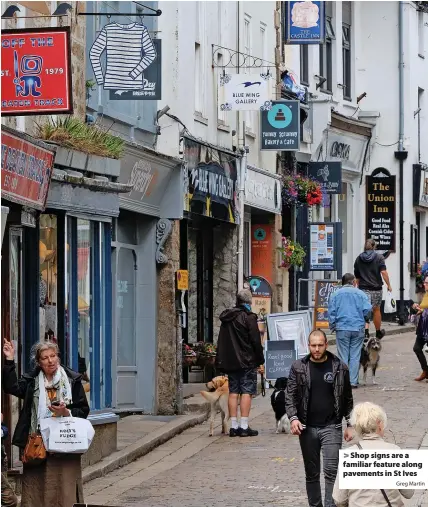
(420, 354)
(312, 442)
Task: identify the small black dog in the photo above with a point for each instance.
(278, 404)
(370, 356)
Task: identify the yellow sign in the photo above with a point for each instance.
(182, 279)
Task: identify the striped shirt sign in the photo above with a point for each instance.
(129, 51)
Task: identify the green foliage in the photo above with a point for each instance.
(73, 133)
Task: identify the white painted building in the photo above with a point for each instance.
(357, 105)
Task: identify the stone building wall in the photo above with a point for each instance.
(169, 371)
(225, 272)
(193, 288)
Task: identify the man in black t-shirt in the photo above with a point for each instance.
(319, 396)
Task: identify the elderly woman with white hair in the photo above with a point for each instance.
(369, 421)
(57, 481)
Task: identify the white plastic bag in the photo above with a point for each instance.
(390, 305)
(67, 434)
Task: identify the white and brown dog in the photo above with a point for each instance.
(370, 356)
(218, 397)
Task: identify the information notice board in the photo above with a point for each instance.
(323, 290)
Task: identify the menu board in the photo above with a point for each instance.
(322, 245)
(323, 290)
(279, 357)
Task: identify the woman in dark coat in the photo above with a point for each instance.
(58, 481)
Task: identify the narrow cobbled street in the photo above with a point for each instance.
(193, 470)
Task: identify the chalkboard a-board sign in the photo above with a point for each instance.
(323, 290)
(279, 357)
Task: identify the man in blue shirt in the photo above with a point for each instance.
(349, 309)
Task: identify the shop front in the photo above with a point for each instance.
(347, 141)
(208, 238)
(26, 165)
(262, 205)
(144, 322)
(419, 227)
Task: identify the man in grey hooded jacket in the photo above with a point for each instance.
(370, 272)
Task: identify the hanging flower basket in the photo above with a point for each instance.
(292, 253)
(189, 360)
(205, 359)
(299, 190)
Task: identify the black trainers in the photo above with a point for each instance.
(248, 432)
(380, 334)
(234, 432)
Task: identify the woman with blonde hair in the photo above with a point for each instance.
(57, 481)
(369, 422)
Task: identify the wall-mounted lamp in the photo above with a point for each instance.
(163, 111)
(360, 97)
(62, 9)
(10, 11)
(322, 80)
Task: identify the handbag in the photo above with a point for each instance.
(35, 450)
(382, 490)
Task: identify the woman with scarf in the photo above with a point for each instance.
(58, 480)
(421, 310)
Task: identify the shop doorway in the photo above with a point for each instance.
(12, 293)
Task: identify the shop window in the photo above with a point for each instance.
(84, 298)
(125, 307)
(48, 254)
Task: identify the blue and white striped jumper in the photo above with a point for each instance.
(129, 51)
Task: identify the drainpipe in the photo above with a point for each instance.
(401, 155)
(242, 176)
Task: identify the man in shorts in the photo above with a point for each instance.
(370, 272)
(240, 355)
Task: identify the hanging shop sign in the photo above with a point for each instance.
(345, 147)
(304, 22)
(36, 72)
(242, 92)
(211, 178)
(263, 190)
(380, 211)
(280, 126)
(329, 176)
(133, 63)
(26, 170)
(420, 185)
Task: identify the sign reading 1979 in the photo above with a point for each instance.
(280, 126)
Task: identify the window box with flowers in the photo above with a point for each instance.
(199, 354)
(292, 253)
(300, 190)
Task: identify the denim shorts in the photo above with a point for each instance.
(375, 297)
(243, 381)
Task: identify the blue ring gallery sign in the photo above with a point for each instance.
(304, 22)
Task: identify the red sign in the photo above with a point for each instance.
(35, 71)
(25, 171)
(261, 251)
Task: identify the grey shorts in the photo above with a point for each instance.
(243, 381)
(375, 297)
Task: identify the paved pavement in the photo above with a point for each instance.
(194, 470)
